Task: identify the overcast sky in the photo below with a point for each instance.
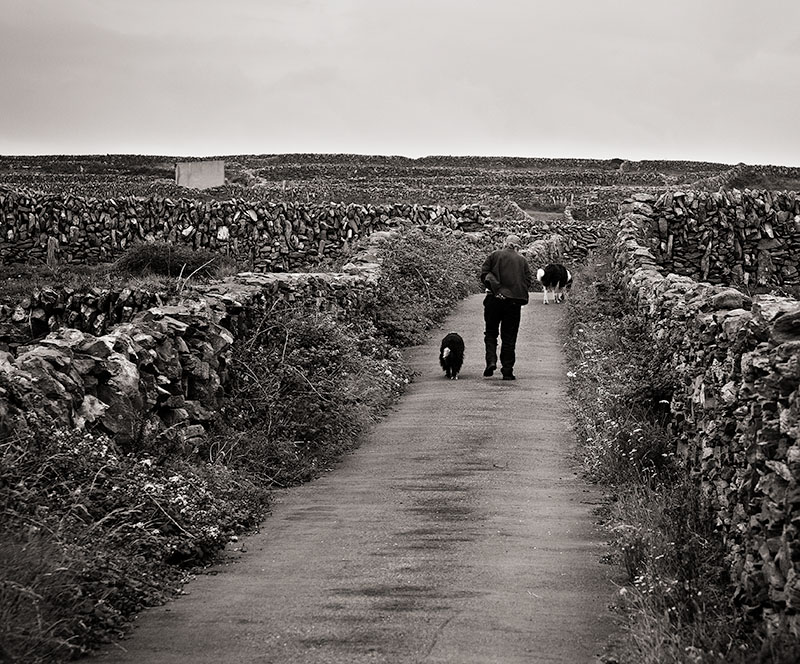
(714, 80)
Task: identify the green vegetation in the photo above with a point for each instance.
(158, 265)
(424, 276)
(171, 260)
(91, 535)
(91, 532)
(20, 280)
(303, 391)
(677, 604)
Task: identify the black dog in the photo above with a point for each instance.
(556, 279)
(451, 355)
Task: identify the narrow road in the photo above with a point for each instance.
(458, 532)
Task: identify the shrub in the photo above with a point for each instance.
(90, 536)
(302, 391)
(173, 260)
(621, 383)
(423, 276)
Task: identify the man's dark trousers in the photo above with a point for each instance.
(501, 318)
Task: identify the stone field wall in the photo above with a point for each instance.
(736, 409)
(265, 236)
(162, 370)
(97, 311)
(748, 238)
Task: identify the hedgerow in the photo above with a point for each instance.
(303, 390)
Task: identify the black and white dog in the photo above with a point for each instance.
(451, 355)
(556, 279)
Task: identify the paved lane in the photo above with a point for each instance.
(457, 533)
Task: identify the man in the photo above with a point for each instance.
(507, 278)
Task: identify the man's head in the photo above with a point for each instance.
(511, 242)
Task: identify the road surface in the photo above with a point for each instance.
(459, 532)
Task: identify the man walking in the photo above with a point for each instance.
(507, 278)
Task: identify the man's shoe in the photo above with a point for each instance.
(509, 377)
(489, 370)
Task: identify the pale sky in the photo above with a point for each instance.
(705, 80)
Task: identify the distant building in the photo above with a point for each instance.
(200, 174)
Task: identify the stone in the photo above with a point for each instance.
(730, 298)
(122, 396)
(90, 411)
(786, 328)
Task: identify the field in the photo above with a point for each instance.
(531, 183)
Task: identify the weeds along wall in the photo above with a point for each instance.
(749, 238)
(162, 372)
(736, 406)
(265, 236)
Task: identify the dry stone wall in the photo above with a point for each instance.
(748, 238)
(736, 410)
(93, 310)
(97, 311)
(266, 236)
(163, 371)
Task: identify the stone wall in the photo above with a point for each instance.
(93, 310)
(96, 310)
(731, 237)
(266, 236)
(728, 179)
(162, 372)
(736, 409)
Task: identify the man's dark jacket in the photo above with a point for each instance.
(507, 273)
